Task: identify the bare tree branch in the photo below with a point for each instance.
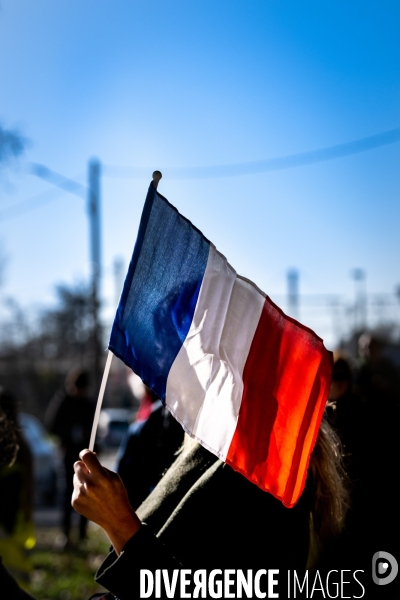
(12, 145)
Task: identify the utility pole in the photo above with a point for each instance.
(94, 172)
(93, 198)
(293, 292)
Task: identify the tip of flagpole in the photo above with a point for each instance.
(156, 178)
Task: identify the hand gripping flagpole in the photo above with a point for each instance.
(156, 178)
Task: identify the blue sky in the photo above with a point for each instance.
(166, 83)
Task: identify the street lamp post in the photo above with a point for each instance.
(360, 305)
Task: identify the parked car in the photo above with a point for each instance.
(47, 463)
(113, 425)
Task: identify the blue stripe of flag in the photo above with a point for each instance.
(160, 292)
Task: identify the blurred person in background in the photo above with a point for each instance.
(149, 447)
(15, 506)
(146, 404)
(344, 412)
(377, 377)
(69, 416)
(375, 514)
(363, 407)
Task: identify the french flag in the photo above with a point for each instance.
(247, 381)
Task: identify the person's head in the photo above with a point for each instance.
(369, 347)
(8, 428)
(77, 382)
(341, 379)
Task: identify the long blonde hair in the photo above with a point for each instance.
(331, 497)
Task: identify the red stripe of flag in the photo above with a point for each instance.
(286, 383)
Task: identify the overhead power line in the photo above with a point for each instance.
(65, 183)
(262, 166)
(49, 195)
(20, 208)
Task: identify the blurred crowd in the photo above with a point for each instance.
(364, 409)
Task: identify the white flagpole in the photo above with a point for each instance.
(100, 400)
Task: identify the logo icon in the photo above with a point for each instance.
(384, 568)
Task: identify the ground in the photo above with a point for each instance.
(66, 572)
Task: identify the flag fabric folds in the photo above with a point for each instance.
(247, 381)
